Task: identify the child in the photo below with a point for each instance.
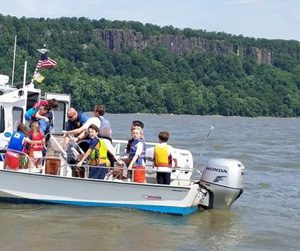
(135, 123)
(137, 155)
(16, 146)
(35, 151)
(97, 154)
(163, 156)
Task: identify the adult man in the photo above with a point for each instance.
(75, 121)
(98, 120)
(104, 129)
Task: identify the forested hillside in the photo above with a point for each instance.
(131, 67)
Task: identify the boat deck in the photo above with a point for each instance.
(57, 162)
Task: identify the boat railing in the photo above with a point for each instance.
(57, 146)
(121, 173)
(115, 173)
(14, 160)
(57, 156)
(181, 175)
(56, 162)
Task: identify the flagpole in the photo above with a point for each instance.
(41, 51)
(34, 74)
(25, 71)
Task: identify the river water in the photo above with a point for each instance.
(265, 217)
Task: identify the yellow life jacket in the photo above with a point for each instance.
(161, 156)
(98, 156)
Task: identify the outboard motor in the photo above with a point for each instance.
(223, 181)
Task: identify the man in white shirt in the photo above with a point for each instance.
(96, 120)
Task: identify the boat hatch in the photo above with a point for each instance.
(60, 114)
(32, 98)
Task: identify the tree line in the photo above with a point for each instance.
(154, 80)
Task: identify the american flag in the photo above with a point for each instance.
(46, 62)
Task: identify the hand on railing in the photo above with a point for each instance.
(129, 167)
(119, 161)
(79, 164)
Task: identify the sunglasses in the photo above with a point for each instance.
(72, 116)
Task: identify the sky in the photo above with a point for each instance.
(271, 19)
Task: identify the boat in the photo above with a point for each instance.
(218, 186)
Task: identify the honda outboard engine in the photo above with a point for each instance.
(223, 181)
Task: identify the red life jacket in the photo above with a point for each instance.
(37, 136)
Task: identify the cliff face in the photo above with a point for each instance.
(117, 40)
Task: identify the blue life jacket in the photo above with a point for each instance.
(44, 126)
(105, 129)
(16, 141)
(133, 148)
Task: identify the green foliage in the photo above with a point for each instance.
(154, 80)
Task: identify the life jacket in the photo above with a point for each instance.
(34, 137)
(105, 129)
(16, 141)
(162, 158)
(141, 159)
(44, 126)
(98, 156)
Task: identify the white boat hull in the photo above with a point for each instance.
(40, 188)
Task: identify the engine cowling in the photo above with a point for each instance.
(223, 179)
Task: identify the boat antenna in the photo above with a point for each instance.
(25, 63)
(14, 62)
(203, 145)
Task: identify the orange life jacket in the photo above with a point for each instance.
(34, 137)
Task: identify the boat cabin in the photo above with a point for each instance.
(14, 102)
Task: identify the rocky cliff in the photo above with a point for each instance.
(117, 40)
